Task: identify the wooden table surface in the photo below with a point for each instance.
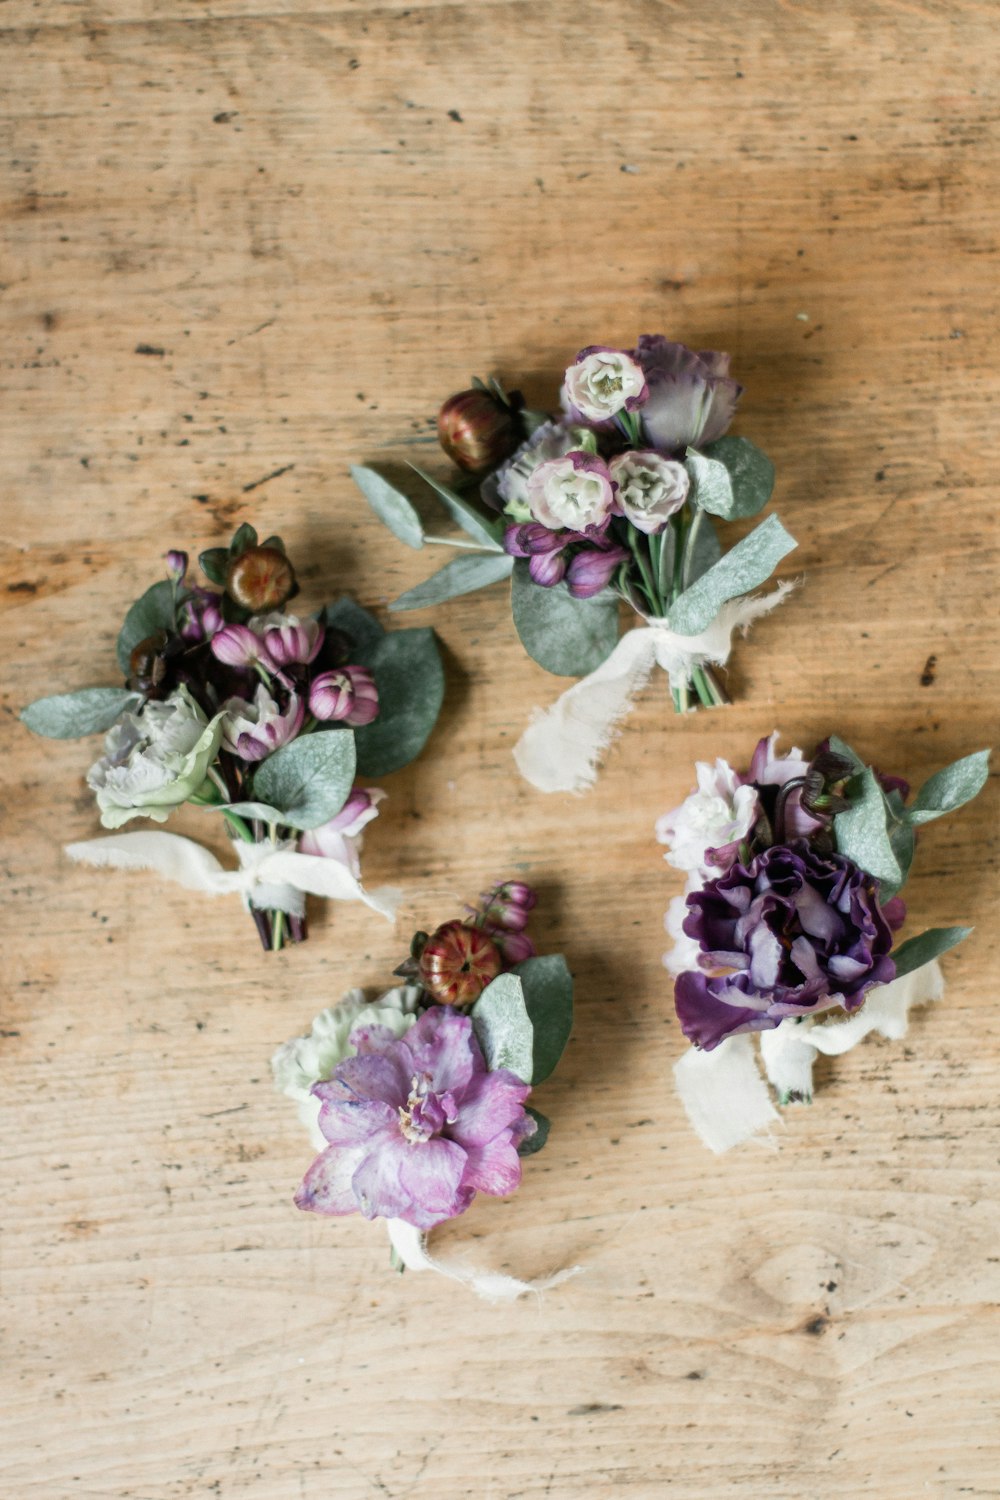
(247, 248)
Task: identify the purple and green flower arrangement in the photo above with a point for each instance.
(794, 872)
(615, 497)
(232, 703)
(417, 1100)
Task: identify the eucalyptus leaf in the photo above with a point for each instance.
(917, 951)
(862, 831)
(711, 489)
(951, 788)
(260, 810)
(463, 575)
(409, 675)
(213, 564)
(488, 533)
(363, 628)
(68, 716)
(153, 611)
(745, 567)
(309, 779)
(749, 482)
(502, 1027)
(533, 1143)
(569, 637)
(244, 537)
(902, 840)
(548, 999)
(390, 505)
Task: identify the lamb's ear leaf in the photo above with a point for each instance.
(390, 505)
(68, 716)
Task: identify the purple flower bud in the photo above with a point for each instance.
(199, 616)
(591, 571)
(347, 696)
(532, 539)
(547, 568)
(177, 563)
(288, 639)
(514, 947)
(508, 904)
(239, 646)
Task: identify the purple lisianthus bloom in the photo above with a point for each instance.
(416, 1125)
(692, 398)
(792, 934)
(602, 382)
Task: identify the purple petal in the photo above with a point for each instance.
(705, 1020)
(494, 1168)
(326, 1187)
(418, 1183)
(443, 1046)
(383, 1076)
(492, 1103)
(817, 919)
(351, 1122)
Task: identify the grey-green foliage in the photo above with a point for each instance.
(363, 628)
(409, 675)
(463, 575)
(502, 1027)
(950, 788)
(731, 477)
(567, 636)
(548, 999)
(917, 951)
(862, 831)
(486, 530)
(390, 505)
(152, 611)
(67, 716)
(740, 570)
(533, 1143)
(307, 781)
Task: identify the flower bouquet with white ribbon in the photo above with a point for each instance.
(787, 926)
(614, 498)
(261, 716)
(416, 1100)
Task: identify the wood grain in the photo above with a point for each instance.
(245, 248)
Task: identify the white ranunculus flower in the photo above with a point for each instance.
(602, 382)
(651, 488)
(719, 813)
(310, 1059)
(154, 759)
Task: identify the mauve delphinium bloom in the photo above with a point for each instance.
(416, 1126)
(792, 934)
(692, 398)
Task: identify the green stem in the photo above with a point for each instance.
(636, 548)
(238, 826)
(679, 522)
(443, 541)
(697, 522)
(277, 931)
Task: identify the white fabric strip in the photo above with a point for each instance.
(723, 1093)
(271, 876)
(411, 1247)
(561, 749)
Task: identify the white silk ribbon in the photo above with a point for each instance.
(561, 749)
(726, 1098)
(492, 1286)
(272, 876)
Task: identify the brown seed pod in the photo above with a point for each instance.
(457, 963)
(260, 579)
(477, 431)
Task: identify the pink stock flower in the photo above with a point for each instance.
(342, 838)
(254, 730)
(416, 1125)
(347, 696)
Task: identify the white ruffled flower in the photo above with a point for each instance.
(602, 382)
(720, 812)
(310, 1059)
(651, 488)
(154, 760)
(685, 952)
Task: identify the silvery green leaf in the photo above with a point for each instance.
(533, 1143)
(548, 999)
(153, 611)
(702, 549)
(488, 533)
(406, 665)
(263, 811)
(364, 630)
(567, 636)
(67, 716)
(902, 840)
(951, 788)
(917, 951)
(749, 478)
(862, 831)
(745, 567)
(710, 487)
(309, 779)
(390, 505)
(463, 575)
(503, 1029)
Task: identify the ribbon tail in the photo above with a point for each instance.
(886, 1010)
(178, 859)
(679, 655)
(723, 1094)
(788, 1053)
(492, 1286)
(327, 877)
(562, 747)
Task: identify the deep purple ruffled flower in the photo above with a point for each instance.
(794, 933)
(416, 1125)
(692, 398)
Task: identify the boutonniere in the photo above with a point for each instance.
(788, 925)
(417, 1099)
(261, 716)
(614, 498)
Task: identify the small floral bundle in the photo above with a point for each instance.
(792, 904)
(417, 1099)
(613, 499)
(235, 705)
